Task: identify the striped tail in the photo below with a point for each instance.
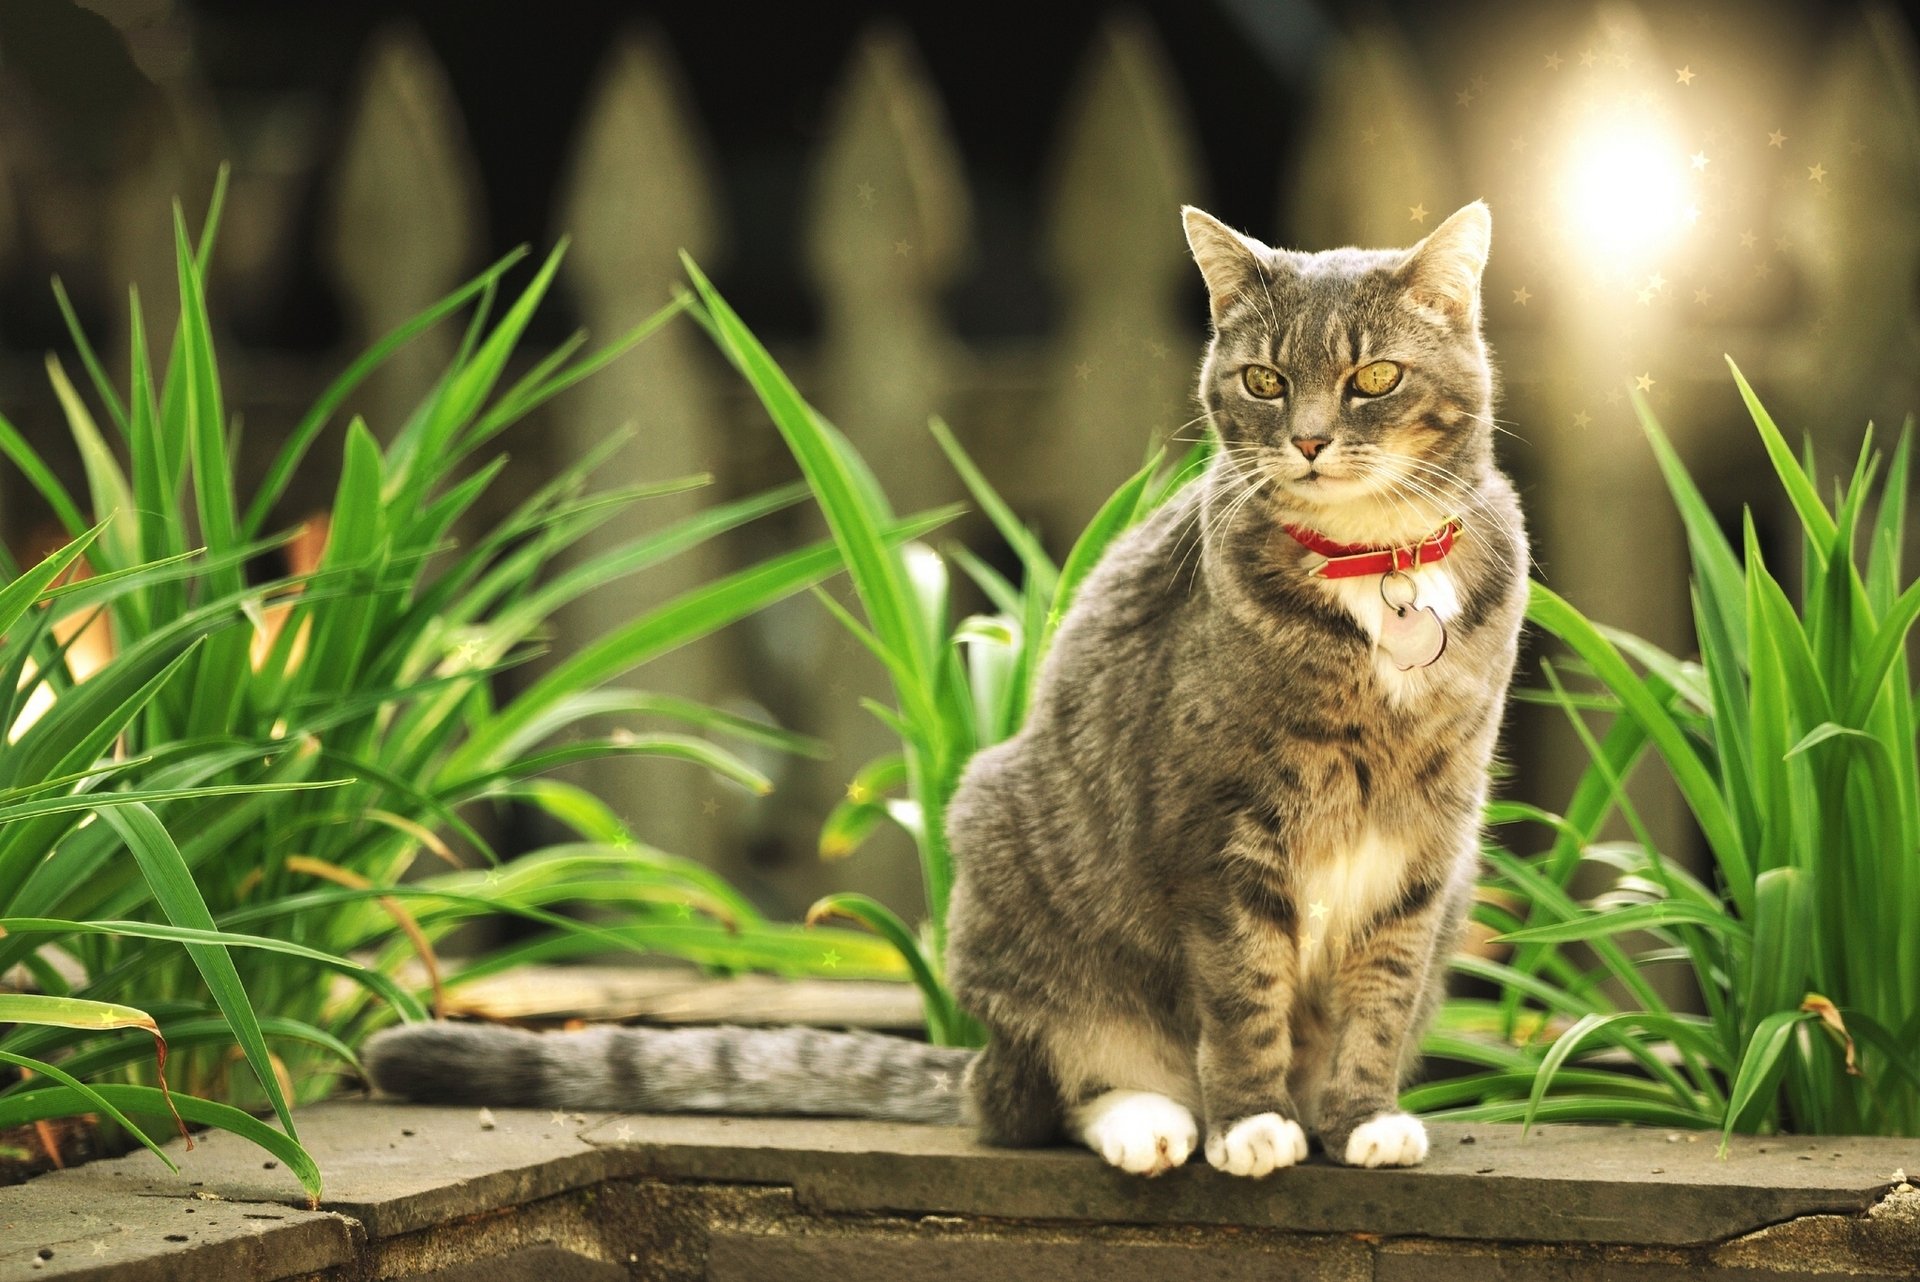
(765, 1071)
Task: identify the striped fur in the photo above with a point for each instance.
(1217, 875)
(1205, 897)
(694, 1070)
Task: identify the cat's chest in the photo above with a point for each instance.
(1340, 892)
(1391, 638)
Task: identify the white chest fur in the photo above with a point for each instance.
(1339, 893)
(1360, 597)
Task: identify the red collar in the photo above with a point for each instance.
(1352, 560)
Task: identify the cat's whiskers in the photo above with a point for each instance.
(1497, 425)
(1195, 546)
(1219, 536)
(1466, 492)
(1474, 502)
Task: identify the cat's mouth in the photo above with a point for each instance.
(1319, 479)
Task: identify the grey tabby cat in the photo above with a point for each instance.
(1211, 887)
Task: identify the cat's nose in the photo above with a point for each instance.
(1309, 445)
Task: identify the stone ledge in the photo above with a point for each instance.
(1561, 1184)
(415, 1191)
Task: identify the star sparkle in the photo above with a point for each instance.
(1369, 135)
(1777, 139)
(1417, 213)
(1581, 418)
(1553, 61)
(1644, 382)
(1521, 295)
(1817, 172)
(1684, 75)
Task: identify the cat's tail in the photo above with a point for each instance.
(766, 1071)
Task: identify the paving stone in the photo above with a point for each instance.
(1562, 1184)
(141, 1224)
(411, 1189)
(397, 1168)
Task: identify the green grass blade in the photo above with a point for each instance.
(1042, 574)
(1691, 774)
(45, 483)
(301, 440)
(691, 615)
(174, 890)
(87, 1099)
(1119, 512)
(1618, 920)
(1761, 1065)
(1814, 516)
(883, 922)
(855, 510)
(18, 1110)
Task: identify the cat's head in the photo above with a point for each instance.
(1354, 383)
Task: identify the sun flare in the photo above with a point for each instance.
(1626, 189)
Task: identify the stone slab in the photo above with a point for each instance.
(852, 1199)
(1561, 1184)
(661, 995)
(138, 1223)
(397, 1168)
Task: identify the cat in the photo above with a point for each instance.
(1205, 897)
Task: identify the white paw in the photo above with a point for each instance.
(1137, 1131)
(1257, 1145)
(1391, 1139)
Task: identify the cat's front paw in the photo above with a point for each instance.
(1391, 1139)
(1256, 1146)
(1138, 1131)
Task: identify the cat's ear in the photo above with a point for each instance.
(1230, 262)
(1443, 271)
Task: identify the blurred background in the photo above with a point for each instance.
(972, 211)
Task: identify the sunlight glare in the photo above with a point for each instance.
(1626, 190)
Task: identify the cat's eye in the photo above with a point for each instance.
(1263, 382)
(1376, 379)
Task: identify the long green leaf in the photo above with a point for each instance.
(18, 1110)
(174, 890)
